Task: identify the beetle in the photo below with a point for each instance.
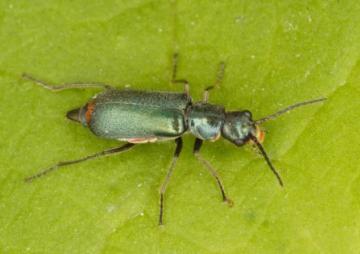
(137, 116)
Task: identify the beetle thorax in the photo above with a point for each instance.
(205, 120)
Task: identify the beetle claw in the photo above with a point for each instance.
(229, 202)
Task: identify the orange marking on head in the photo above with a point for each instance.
(89, 110)
(260, 134)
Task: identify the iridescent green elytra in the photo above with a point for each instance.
(138, 117)
(127, 115)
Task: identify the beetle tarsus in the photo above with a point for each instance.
(218, 81)
(61, 87)
(229, 202)
(174, 80)
(60, 164)
(40, 174)
(161, 214)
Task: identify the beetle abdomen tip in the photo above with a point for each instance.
(74, 115)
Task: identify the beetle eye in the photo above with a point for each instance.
(247, 113)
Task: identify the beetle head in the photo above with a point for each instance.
(239, 127)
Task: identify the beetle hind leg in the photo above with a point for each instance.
(61, 87)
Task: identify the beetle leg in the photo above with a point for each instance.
(196, 151)
(167, 178)
(206, 93)
(63, 86)
(218, 81)
(220, 74)
(60, 164)
(174, 80)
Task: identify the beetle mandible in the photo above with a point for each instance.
(136, 117)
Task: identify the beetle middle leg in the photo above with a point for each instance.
(63, 86)
(196, 151)
(174, 80)
(167, 178)
(60, 164)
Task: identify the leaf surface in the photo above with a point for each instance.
(276, 52)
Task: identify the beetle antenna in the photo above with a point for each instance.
(267, 159)
(287, 109)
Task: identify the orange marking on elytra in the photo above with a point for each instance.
(142, 140)
(89, 110)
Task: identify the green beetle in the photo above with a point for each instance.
(136, 117)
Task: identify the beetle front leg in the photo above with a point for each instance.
(167, 178)
(63, 86)
(218, 81)
(60, 164)
(196, 151)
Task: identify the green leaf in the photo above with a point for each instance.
(276, 52)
